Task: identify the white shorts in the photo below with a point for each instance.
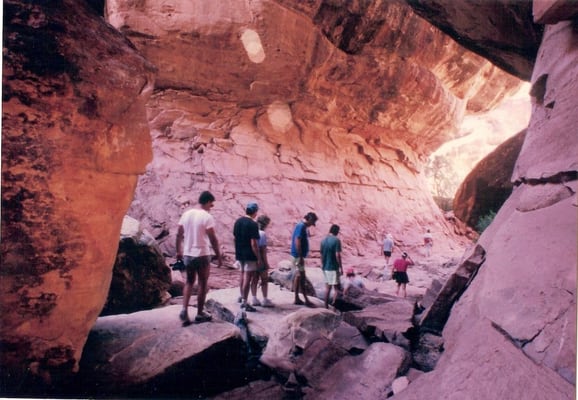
(331, 277)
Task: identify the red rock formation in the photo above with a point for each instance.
(74, 139)
(501, 31)
(302, 106)
(489, 184)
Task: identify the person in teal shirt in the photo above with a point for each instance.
(331, 263)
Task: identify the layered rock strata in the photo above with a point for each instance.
(302, 106)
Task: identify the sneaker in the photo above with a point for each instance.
(184, 317)
(203, 317)
(248, 307)
(256, 302)
(268, 303)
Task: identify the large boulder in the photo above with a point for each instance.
(489, 184)
(141, 276)
(74, 138)
(149, 354)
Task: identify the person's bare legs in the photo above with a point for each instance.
(403, 290)
(302, 283)
(247, 280)
(204, 272)
(241, 281)
(254, 283)
(264, 283)
(296, 286)
(397, 290)
(327, 292)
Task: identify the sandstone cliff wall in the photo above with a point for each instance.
(302, 106)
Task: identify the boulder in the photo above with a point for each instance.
(390, 322)
(141, 277)
(149, 354)
(489, 184)
(435, 317)
(366, 376)
(485, 364)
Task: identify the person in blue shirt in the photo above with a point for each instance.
(299, 250)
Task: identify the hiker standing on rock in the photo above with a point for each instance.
(387, 248)
(263, 269)
(400, 272)
(428, 242)
(331, 263)
(246, 232)
(195, 238)
(299, 250)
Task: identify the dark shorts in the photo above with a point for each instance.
(387, 253)
(194, 264)
(400, 277)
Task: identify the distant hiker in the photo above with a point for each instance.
(300, 250)
(195, 238)
(246, 233)
(263, 269)
(331, 263)
(387, 248)
(428, 242)
(352, 280)
(400, 272)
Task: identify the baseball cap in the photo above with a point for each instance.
(252, 208)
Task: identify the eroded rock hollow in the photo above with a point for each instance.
(300, 106)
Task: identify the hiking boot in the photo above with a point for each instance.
(268, 303)
(248, 307)
(203, 317)
(256, 302)
(298, 302)
(240, 299)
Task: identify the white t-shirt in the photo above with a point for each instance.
(195, 223)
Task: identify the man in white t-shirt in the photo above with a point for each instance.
(195, 239)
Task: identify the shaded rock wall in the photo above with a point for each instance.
(74, 139)
(489, 184)
(302, 106)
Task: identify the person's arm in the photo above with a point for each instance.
(180, 239)
(338, 256)
(263, 253)
(298, 248)
(215, 244)
(255, 248)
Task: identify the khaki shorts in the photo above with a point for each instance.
(297, 265)
(249, 266)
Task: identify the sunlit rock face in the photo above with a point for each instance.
(302, 106)
(74, 139)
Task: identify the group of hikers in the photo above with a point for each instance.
(197, 245)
